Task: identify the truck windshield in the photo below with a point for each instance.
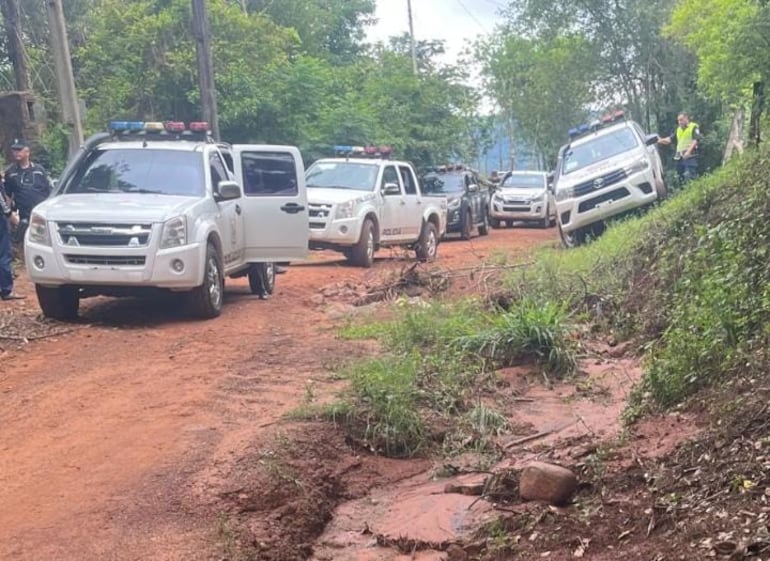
(145, 170)
(524, 181)
(598, 149)
(342, 175)
(445, 183)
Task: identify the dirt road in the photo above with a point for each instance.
(108, 433)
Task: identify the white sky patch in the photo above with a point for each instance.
(459, 23)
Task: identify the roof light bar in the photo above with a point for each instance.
(199, 126)
(174, 126)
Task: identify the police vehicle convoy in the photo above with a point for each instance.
(467, 199)
(608, 167)
(522, 196)
(161, 206)
(363, 201)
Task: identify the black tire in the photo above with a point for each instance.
(662, 189)
(362, 254)
(467, 226)
(484, 226)
(494, 222)
(262, 278)
(206, 300)
(573, 239)
(427, 245)
(59, 302)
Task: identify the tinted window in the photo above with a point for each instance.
(524, 180)
(444, 183)
(410, 188)
(269, 173)
(390, 175)
(144, 170)
(342, 175)
(598, 149)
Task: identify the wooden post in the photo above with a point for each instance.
(65, 80)
(202, 33)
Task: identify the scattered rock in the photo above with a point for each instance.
(317, 299)
(456, 553)
(553, 484)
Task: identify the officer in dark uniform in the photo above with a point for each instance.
(26, 183)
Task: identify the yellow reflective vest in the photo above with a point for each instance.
(684, 137)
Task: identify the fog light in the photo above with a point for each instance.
(39, 262)
(177, 265)
(537, 209)
(343, 229)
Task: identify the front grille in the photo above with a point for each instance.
(599, 182)
(516, 209)
(514, 201)
(319, 212)
(110, 260)
(89, 234)
(611, 196)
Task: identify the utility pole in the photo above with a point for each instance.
(411, 37)
(65, 80)
(202, 33)
(16, 51)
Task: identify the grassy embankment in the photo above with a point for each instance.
(688, 282)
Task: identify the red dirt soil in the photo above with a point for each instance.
(118, 438)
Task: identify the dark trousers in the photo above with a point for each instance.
(687, 169)
(6, 257)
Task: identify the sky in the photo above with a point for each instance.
(458, 22)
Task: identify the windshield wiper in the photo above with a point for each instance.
(143, 191)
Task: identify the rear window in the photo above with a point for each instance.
(598, 149)
(145, 170)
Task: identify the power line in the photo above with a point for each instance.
(474, 18)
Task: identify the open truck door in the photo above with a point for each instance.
(274, 202)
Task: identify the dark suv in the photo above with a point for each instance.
(467, 199)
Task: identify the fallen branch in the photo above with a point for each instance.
(540, 434)
(37, 337)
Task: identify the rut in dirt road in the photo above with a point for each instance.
(112, 434)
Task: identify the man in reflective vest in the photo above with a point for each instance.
(687, 138)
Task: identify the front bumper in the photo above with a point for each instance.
(601, 204)
(99, 266)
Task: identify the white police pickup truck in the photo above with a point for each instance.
(608, 168)
(357, 205)
(154, 206)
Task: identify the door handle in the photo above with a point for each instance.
(238, 209)
(292, 208)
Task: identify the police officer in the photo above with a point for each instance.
(687, 138)
(8, 220)
(26, 183)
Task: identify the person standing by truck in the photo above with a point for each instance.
(8, 221)
(686, 137)
(26, 183)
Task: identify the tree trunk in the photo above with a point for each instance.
(202, 33)
(757, 106)
(16, 51)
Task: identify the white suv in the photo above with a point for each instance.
(608, 168)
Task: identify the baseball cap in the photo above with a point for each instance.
(19, 143)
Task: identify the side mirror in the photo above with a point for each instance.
(391, 189)
(651, 139)
(227, 190)
(473, 188)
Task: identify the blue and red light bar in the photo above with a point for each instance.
(606, 119)
(157, 127)
(369, 151)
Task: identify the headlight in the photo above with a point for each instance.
(345, 210)
(641, 165)
(453, 203)
(538, 199)
(564, 194)
(38, 230)
(174, 233)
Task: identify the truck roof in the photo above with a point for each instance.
(370, 161)
(180, 145)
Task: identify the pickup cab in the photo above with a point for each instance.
(149, 207)
(358, 205)
(467, 199)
